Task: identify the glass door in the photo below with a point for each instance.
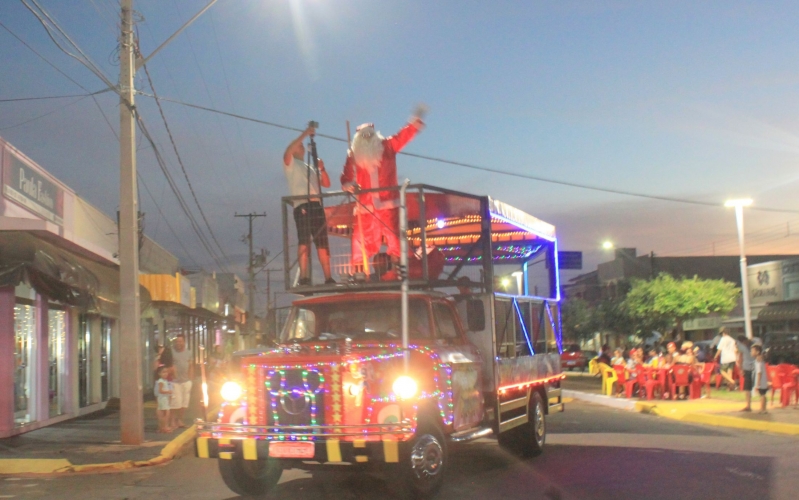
(57, 347)
(105, 356)
(84, 361)
(24, 355)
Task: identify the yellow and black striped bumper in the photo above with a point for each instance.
(326, 450)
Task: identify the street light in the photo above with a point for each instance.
(739, 205)
(607, 245)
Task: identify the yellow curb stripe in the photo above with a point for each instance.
(361, 458)
(359, 443)
(391, 451)
(202, 448)
(226, 455)
(249, 449)
(333, 450)
(32, 465)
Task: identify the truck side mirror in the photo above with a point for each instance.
(475, 315)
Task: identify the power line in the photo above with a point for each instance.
(177, 238)
(183, 167)
(43, 98)
(45, 114)
(173, 186)
(486, 169)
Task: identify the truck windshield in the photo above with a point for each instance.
(368, 319)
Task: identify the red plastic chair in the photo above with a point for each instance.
(704, 379)
(654, 385)
(639, 382)
(621, 375)
(681, 377)
(780, 382)
(790, 374)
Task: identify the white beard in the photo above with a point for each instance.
(368, 153)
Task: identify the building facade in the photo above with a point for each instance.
(59, 300)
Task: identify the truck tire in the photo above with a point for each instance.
(250, 478)
(535, 430)
(423, 464)
(528, 439)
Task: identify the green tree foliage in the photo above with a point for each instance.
(669, 300)
(578, 323)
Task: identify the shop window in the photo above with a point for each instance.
(24, 355)
(56, 339)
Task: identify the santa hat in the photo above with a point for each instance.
(363, 126)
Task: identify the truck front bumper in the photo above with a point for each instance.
(331, 444)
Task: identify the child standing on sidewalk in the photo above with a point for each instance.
(760, 377)
(163, 393)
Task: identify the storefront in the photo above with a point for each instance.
(59, 305)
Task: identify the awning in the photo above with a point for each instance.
(61, 275)
(779, 311)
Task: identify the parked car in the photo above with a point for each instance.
(574, 358)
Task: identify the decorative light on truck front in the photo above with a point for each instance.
(231, 391)
(405, 387)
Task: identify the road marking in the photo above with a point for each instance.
(744, 473)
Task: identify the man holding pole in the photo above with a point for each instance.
(371, 164)
(309, 214)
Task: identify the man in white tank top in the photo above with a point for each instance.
(309, 215)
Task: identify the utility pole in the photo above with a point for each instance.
(251, 272)
(131, 415)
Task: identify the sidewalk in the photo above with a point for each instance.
(91, 443)
(712, 411)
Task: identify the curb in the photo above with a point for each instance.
(683, 416)
(619, 404)
(63, 466)
(719, 420)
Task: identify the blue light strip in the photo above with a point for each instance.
(524, 328)
(558, 340)
(557, 272)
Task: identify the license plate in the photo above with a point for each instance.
(291, 449)
(571, 363)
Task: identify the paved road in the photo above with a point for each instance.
(592, 452)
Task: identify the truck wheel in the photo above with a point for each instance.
(250, 477)
(528, 439)
(535, 430)
(422, 466)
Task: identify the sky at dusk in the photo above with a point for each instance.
(695, 100)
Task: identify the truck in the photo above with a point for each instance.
(391, 369)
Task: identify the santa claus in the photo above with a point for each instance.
(372, 163)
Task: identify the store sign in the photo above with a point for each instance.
(32, 190)
(765, 283)
(570, 260)
(706, 323)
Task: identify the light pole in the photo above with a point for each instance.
(739, 205)
(131, 415)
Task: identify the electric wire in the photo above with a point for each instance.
(181, 201)
(45, 114)
(183, 167)
(547, 180)
(44, 98)
(43, 16)
(166, 220)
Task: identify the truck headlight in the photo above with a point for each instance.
(404, 387)
(231, 391)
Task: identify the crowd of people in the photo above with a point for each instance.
(726, 351)
(174, 373)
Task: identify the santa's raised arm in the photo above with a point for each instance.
(371, 164)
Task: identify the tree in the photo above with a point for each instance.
(669, 300)
(578, 321)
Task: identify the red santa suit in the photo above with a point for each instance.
(372, 163)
